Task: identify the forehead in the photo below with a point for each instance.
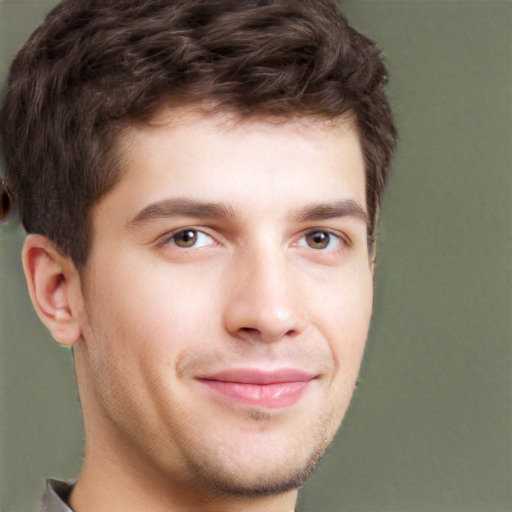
(255, 161)
(179, 119)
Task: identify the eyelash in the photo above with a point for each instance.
(341, 241)
(170, 239)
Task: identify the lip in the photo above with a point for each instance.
(267, 389)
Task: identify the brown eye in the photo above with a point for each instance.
(318, 239)
(189, 238)
(185, 239)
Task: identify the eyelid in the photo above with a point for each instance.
(344, 240)
(166, 239)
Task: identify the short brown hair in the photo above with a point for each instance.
(96, 65)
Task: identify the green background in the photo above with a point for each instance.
(430, 425)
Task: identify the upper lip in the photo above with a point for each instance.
(257, 376)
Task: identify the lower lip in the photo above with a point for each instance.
(271, 396)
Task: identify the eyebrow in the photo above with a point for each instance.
(187, 207)
(342, 208)
(181, 206)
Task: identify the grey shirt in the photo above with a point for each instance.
(55, 497)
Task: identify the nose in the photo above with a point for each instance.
(264, 302)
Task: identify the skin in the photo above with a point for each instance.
(274, 278)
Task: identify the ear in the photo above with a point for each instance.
(54, 286)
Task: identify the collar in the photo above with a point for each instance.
(55, 497)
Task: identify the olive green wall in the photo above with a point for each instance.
(430, 426)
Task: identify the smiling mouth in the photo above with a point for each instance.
(261, 389)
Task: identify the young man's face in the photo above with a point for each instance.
(226, 300)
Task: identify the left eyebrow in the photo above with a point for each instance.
(322, 211)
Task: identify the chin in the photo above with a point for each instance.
(261, 472)
(271, 482)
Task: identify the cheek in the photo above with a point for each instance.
(157, 311)
(345, 317)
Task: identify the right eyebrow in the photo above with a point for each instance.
(181, 206)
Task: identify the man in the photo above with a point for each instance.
(200, 181)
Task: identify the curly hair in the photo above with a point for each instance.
(95, 66)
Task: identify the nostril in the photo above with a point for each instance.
(249, 330)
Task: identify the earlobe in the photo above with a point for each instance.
(53, 283)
